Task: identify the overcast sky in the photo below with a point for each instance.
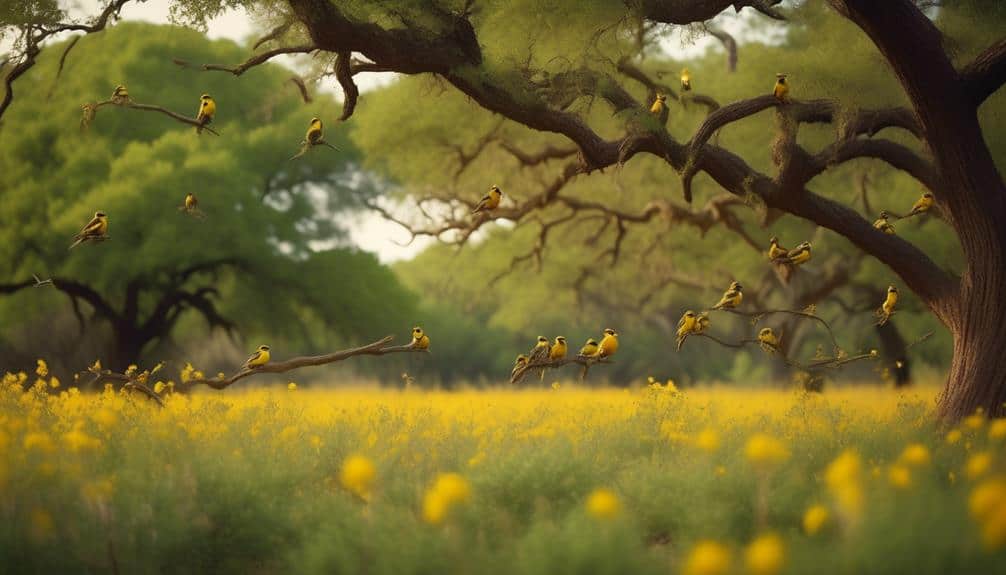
(369, 231)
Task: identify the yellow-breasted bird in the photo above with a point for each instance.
(419, 339)
(539, 353)
(768, 341)
(120, 95)
(314, 132)
(559, 348)
(883, 225)
(191, 202)
(886, 309)
(775, 250)
(609, 344)
(96, 229)
(732, 297)
(207, 109)
(516, 374)
(259, 358)
(490, 201)
(923, 204)
(589, 349)
(686, 80)
(686, 325)
(659, 108)
(781, 90)
(798, 255)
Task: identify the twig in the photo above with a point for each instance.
(586, 362)
(757, 315)
(91, 109)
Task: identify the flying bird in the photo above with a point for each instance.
(659, 108)
(96, 229)
(883, 225)
(781, 90)
(768, 340)
(686, 80)
(490, 201)
(589, 349)
(886, 309)
(686, 325)
(207, 109)
(259, 358)
(775, 250)
(419, 339)
(609, 344)
(731, 298)
(923, 204)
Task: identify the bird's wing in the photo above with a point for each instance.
(253, 357)
(91, 227)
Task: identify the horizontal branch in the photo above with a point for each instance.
(379, 347)
(90, 111)
(251, 62)
(587, 362)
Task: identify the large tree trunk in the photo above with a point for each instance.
(977, 376)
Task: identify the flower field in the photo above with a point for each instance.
(550, 481)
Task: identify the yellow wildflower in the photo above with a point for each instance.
(37, 440)
(76, 440)
(358, 474)
(953, 436)
(291, 386)
(978, 464)
(707, 558)
(814, 519)
(42, 369)
(765, 555)
(915, 455)
(997, 429)
(899, 476)
(987, 497)
(976, 420)
(763, 450)
(708, 440)
(604, 504)
(448, 491)
(41, 524)
(843, 479)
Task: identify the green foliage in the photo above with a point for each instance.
(287, 277)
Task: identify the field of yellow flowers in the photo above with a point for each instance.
(549, 481)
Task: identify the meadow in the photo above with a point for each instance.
(552, 480)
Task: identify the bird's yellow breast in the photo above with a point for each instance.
(208, 107)
(558, 351)
(262, 359)
(800, 257)
(609, 345)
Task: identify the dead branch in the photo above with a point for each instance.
(757, 315)
(729, 44)
(251, 62)
(302, 88)
(379, 347)
(587, 362)
(90, 111)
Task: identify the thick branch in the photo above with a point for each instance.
(684, 12)
(984, 75)
(251, 62)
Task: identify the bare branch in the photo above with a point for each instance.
(302, 88)
(251, 62)
(273, 34)
(729, 44)
(90, 111)
(379, 347)
(587, 362)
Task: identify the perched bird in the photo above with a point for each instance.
(191, 202)
(96, 229)
(686, 80)
(517, 373)
(539, 353)
(419, 339)
(883, 225)
(886, 309)
(701, 323)
(558, 350)
(609, 344)
(259, 358)
(490, 201)
(768, 341)
(781, 90)
(659, 108)
(207, 109)
(120, 95)
(686, 325)
(731, 298)
(589, 349)
(775, 250)
(923, 204)
(798, 255)
(314, 134)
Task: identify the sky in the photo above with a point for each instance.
(370, 231)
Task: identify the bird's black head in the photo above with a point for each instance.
(495, 188)
(591, 341)
(560, 339)
(610, 332)
(773, 240)
(689, 313)
(99, 214)
(263, 348)
(884, 215)
(542, 339)
(313, 120)
(928, 195)
(662, 97)
(892, 289)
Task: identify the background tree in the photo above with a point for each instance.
(269, 260)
